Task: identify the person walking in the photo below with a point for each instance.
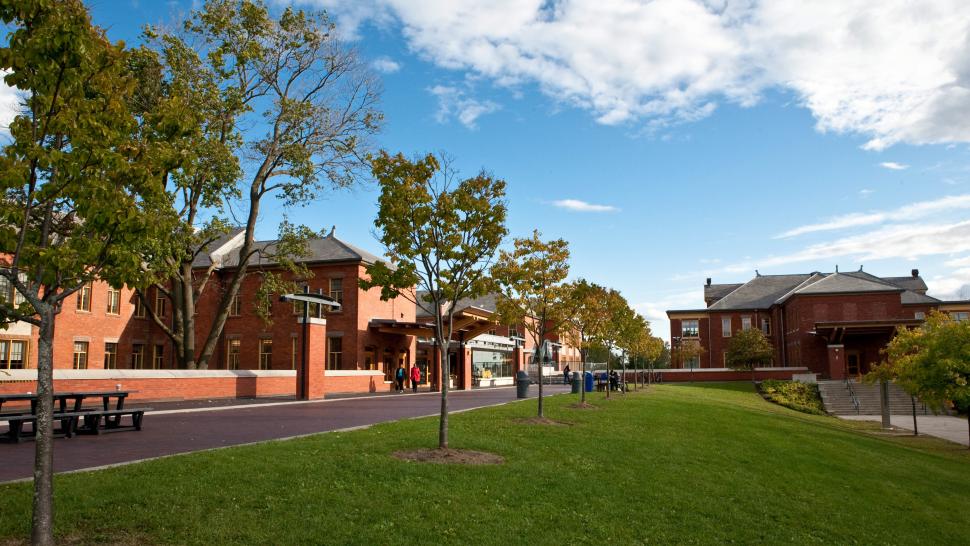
(415, 377)
(565, 375)
(399, 378)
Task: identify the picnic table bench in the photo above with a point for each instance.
(94, 419)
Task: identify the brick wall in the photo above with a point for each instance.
(168, 385)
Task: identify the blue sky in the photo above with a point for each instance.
(695, 138)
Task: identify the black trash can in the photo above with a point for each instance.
(576, 383)
(522, 382)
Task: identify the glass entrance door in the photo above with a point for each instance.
(853, 364)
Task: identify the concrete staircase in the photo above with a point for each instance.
(837, 399)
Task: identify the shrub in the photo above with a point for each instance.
(796, 395)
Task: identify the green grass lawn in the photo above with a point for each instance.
(681, 464)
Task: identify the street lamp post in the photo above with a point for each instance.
(303, 388)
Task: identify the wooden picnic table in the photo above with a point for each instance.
(78, 397)
(70, 418)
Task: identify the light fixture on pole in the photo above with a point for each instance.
(303, 388)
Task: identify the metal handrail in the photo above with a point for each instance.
(852, 395)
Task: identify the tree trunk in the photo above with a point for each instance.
(42, 525)
(188, 317)
(609, 353)
(444, 372)
(582, 378)
(542, 356)
(622, 383)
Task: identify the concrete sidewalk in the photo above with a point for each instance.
(949, 428)
(183, 430)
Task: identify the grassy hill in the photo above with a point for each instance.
(678, 464)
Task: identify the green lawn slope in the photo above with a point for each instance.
(677, 464)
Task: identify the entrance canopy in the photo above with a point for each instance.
(468, 324)
(835, 332)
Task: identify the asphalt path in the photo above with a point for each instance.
(172, 432)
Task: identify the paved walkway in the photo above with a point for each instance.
(173, 431)
(949, 428)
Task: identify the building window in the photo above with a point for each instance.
(920, 315)
(689, 328)
(114, 301)
(232, 354)
(337, 289)
(514, 331)
(235, 306)
(158, 357)
(961, 316)
(491, 364)
(692, 362)
(10, 294)
(726, 327)
(137, 356)
(265, 354)
(159, 304)
(6, 290)
(84, 298)
(139, 307)
(334, 353)
(745, 323)
(110, 356)
(293, 353)
(766, 326)
(13, 354)
(80, 355)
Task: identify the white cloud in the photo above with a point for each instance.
(454, 103)
(914, 211)
(900, 241)
(582, 206)
(893, 166)
(900, 73)
(9, 105)
(865, 193)
(386, 65)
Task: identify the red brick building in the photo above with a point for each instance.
(105, 328)
(835, 324)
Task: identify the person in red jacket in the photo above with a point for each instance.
(415, 377)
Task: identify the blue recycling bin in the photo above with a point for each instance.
(589, 382)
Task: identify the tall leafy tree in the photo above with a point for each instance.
(440, 235)
(532, 290)
(250, 106)
(588, 317)
(81, 198)
(749, 349)
(639, 343)
(685, 350)
(931, 362)
(617, 317)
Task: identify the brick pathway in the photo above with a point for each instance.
(186, 430)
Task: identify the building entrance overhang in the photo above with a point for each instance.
(467, 324)
(836, 332)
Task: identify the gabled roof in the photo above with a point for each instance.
(718, 291)
(319, 250)
(842, 283)
(910, 298)
(760, 292)
(915, 284)
(217, 248)
(485, 303)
